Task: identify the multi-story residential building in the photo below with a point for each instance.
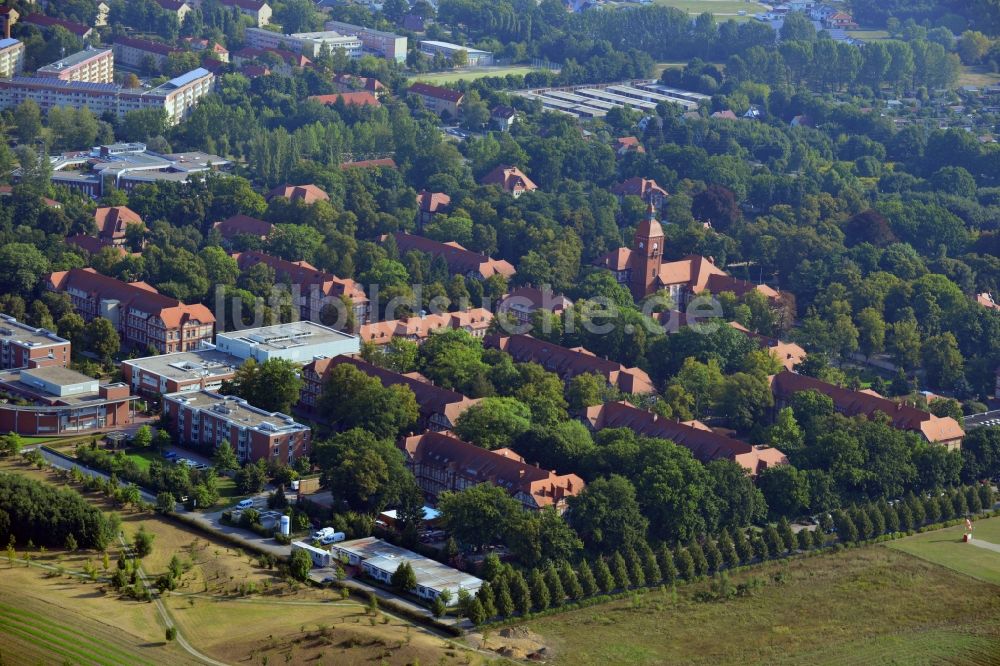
(439, 407)
(298, 341)
(11, 57)
(473, 57)
(135, 53)
(204, 419)
(522, 303)
(258, 10)
(8, 17)
(355, 98)
(438, 100)
(386, 45)
(61, 401)
(704, 444)
(49, 22)
(23, 346)
(180, 372)
(176, 97)
(475, 321)
(309, 44)
(568, 363)
(315, 288)
(643, 270)
(89, 65)
(942, 430)
(510, 179)
(460, 261)
(442, 463)
(142, 316)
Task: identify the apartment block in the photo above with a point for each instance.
(23, 346)
(196, 370)
(11, 57)
(89, 66)
(309, 44)
(386, 45)
(134, 52)
(203, 419)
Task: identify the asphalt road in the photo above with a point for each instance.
(65, 463)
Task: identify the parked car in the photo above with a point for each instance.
(333, 537)
(245, 504)
(169, 455)
(322, 533)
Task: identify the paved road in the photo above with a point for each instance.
(212, 522)
(64, 463)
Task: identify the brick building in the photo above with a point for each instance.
(510, 179)
(23, 346)
(141, 315)
(460, 261)
(441, 462)
(203, 419)
(476, 321)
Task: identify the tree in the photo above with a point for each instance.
(942, 360)
(11, 444)
(785, 434)
(494, 422)
(904, 343)
(973, 46)
(602, 573)
(554, 583)
(477, 515)
(685, 564)
(21, 268)
(142, 437)
(585, 390)
(746, 400)
(225, 458)
(142, 543)
(846, 529)
(353, 399)
(606, 514)
(100, 337)
(27, 121)
(273, 385)
(740, 502)
(619, 569)
(540, 594)
(403, 578)
(727, 550)
(585, 575)
(165, 502)
(871, 332)
(143, 124)
(785, 488)
(521, 593)
(300, 564)
(363, 472)
(251, 478)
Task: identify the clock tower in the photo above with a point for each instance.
(647, 254)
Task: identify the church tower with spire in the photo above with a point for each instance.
(647, 255)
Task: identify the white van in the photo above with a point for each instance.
(245, 504)
(333, 537)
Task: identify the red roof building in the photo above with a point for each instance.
(703, 443)
(476, 321)
(307, 194)
(360, 98)
(441, 462)
(568, 363)
(243, 225)
(437, 99)
(460, 261)
(439, 407)
(523, 302)
(316, 288)
(627, 144)
(942, 430)
(644, 188)
(43, 21)
(510, 179)
(350, 82)
(112, 222)
(143, 316)
(430, 204)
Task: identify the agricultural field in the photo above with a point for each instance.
(977, 76)
(945, 547)
(866, 605)
(441, 78)
(724, 8)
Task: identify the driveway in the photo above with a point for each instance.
(212, 522)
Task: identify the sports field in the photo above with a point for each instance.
(728, 8)
(945, 547)
(439, 78)
(866, 605)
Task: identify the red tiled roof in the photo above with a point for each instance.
(304, 274)
(251, 5)
(986, 300)
(509, 178)
(431, 399)
(568, 363)
(290, 58)
(243, 224)
(475, 319)
(147, 45)
(91, 244)
(361, 98)
(432, 202)
(437, 92)
(308, 194)
(705, 444)
(531, 298)
(459, 259)
(502, 467)
(112, 221)
(44, 21)
(725, 115)
(383, 163)
(866, 403)
(368, 83)
(619, 259)
(131, 295)
(788, 354)
(639, 187)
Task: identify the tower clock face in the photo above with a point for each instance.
(641, 245)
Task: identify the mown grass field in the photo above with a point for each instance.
(977, 76)
(727, 8)
(869, 605)
(440, 78)
(945, 547)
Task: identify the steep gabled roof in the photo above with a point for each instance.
(111, 221)
(437, 92)
(458, 258)
(382, 332)
(360, 98)
(509, 178)
(568, 363)
(432, 202)
(638, 187)
(303, 274)
(704, 444)
(307, 194)
(243, 224)
(44, 21)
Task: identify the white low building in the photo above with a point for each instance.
(299, 342)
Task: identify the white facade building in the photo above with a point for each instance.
(299, 342)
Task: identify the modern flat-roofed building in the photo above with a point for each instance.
(11, 57)
(142, 316)
(380, 559)
(299, 342)
(62, 401)
(89, 65)
(23, 346)
(203, 419)
(179, 372)
(309, 44)
(386, 45)
(176, 97)
(475, 57)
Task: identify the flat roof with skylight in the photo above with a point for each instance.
(299, 341)
(237, 411)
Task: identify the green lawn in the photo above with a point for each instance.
(868, 35)
(729, 8)
(977, 76)
(143, 458)
(440, 78)
(866, 605)
(945, 547)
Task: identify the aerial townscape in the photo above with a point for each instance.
(496, 332)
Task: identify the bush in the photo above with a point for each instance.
(171, 633)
